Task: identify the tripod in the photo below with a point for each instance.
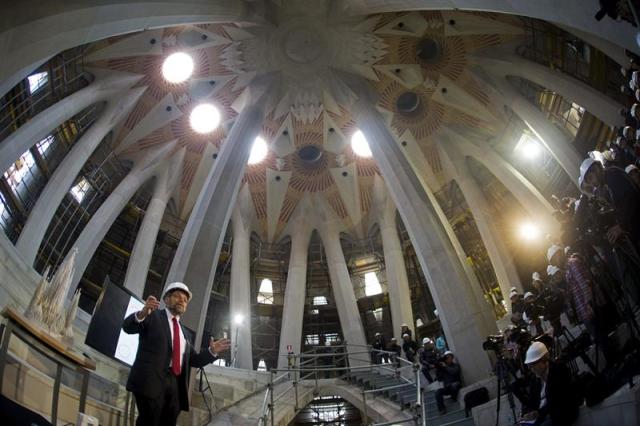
(502, 373)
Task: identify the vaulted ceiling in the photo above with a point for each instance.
(418, 62)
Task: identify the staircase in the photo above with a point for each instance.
(403, 393)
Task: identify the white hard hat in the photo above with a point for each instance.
(513, 293)
(594, 157)
(528, 295)
(177, 286)
(551, 251)
(634, 108)
(377, 334)
(536, 276)
(536, 351)
(513, 289)
(405, 335)
(552, 270)
(630, 168)
(447, 353)
(404, 325)
(426, 341)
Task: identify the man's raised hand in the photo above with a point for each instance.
(150, 305)
(218, 346)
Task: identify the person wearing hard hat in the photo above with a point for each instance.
(409, 347)
(379, 344)
(428, 358)
(634, 174)
(404, 329)
(448, 372)
(614, 186)
(559, 401)
(159, 375)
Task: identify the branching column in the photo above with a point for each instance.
(397, 281)
(101, 221)
(197, 254)
(295, 292)
(63, 177)
(140, 258)
(343, 293)
(461, 315)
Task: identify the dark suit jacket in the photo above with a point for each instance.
(152, 361)
(563, 400)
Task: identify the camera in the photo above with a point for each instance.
(494, 343)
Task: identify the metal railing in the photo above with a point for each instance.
(304, 366)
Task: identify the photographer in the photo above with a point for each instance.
(448, 372)
(558, 401)
(613, 186)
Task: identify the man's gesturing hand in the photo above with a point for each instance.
(217, 346)
(149, 306)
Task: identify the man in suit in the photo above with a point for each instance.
(159, 376)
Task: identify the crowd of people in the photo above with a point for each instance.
(592, 278)
(436, 362)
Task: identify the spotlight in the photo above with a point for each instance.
(529, 231)
(204, 118)
(258, 151)
(238, 319)
(177, 68)
(359, 144)
(531, 149)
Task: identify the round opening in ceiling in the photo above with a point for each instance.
(204, 118)
(408, 102)
(429, 50)
(309, 153)
(177, 68)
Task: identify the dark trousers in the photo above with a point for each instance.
(450, 389)
(427, 375)
(163, 410)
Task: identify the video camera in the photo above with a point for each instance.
(494, 342)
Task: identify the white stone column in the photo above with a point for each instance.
(343, 293)
(570, 88)
(101, 221)
(503, 266)
(524, 191)
(106, 86)
(196, 258)
(140, 259)
(295, 291)
(461, 314)
(397, 281)
(554, 140)
(64, 175)
(240, 287)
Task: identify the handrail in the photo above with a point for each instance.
(300, 370)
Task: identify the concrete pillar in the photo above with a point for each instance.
(196, 258)
(140, 259)
(295, 292)
(502, 263)
(397, 281)
(554, 140)
(343, 292)
(65, 174)
(527, 195)
(461, 314)
(570, 88)
(106, 86)
(27, 39)
(240, 289)
(101, 221)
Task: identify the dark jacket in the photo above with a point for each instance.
(563, 400)
(154, 356)
(448, 374)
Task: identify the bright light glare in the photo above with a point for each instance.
(258, 151)
(238, 319)
(531, 150)
(529, 231)
(359, 144)
(204, 118)
(177, 68)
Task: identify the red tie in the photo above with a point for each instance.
(175, 358)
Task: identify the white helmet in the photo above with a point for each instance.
(630, 168)
(426, 341)
(536, 351)
(552, 270)
(536, 276)
(551, 251)
(528, 295)
(177, 286)
(447, 353)
(594, 157)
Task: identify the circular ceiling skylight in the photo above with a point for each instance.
(359, 144)
(204, 118)
(258, 151)
(177, 68)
